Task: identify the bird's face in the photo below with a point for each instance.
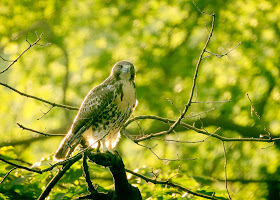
(123, 70)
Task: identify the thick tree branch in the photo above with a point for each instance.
(90, 187)
(114, 161)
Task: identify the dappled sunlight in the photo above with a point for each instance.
(235, 99)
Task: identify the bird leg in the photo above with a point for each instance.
(105, 148)
(98, 147)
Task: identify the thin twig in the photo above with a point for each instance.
(258, 116)
(30, 45)
(6, 59)
(225, 155)
(41, 133)
(171, 184)
(165, 159)
(208, 102)
(140, 128)
(44, 113)
(8, 174)
(221, 55)
(171, 102)
(191, 142)
(273, 143)
(177, 122)
(187, 106)
(202, 12)
(39, 99)
(21, 167)
(187, 126)
(199, 114)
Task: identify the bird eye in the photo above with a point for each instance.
(121, 66)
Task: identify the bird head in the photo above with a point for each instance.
(123, 70)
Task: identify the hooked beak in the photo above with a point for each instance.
(126, 69)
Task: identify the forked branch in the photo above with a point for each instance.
(30, 45)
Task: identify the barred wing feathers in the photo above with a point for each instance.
(92, 107)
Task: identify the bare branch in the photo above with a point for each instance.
(191, 142)
(172, 127)
(5, 59)
(41, 133)
(225, 155)
(171, 102)
(21, 167)
(199, 114)
(258, 116)
(202, 12)
(165, 159)
(169, 183)
(221, 55)
(44, 113)
(30, 45)
(273, 143)
(140, 128)
(7, 174)
(208, 102)
(187, 126)
(39, 99)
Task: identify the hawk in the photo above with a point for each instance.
(103, 112)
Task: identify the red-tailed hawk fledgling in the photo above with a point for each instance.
(103, 112)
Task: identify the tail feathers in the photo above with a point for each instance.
(66, 145)
(62, 150)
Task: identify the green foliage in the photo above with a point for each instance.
(163, 39)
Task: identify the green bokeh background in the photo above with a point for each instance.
(163, 39)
